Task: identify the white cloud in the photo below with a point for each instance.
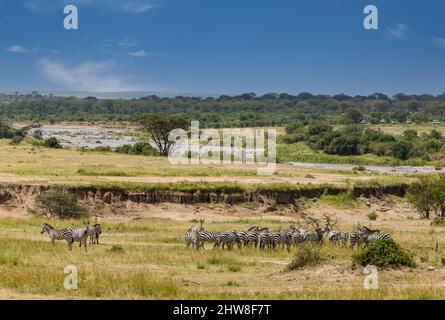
(17, 49)
(87, 76)
(134, 6)
(139, 53)
(399, 32)
(126, 42)
(440, 42)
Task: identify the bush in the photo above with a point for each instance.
(359, 168)
(438, 221)
(372, 216)
(16, 140)
(384, 254)
(140, 148)
(307, 255)
(59, 203)
(37, 134)
(116, 249)
(52, 143)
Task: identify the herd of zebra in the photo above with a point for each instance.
(72, 234)
(264, 239)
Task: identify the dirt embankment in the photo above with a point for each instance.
(21, 197)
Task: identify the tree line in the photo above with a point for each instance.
(242, 110)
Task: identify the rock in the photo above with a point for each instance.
(430, 268)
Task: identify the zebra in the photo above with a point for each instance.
(265, 239)
(243, 238)
(205, 236)
(226, 238)
(334, 237)
(94, 233)
(356, 237)
(316, 236)
(283, 238)
(343, 237)
(190, 235)
(370, 236)
(80, 235)
(297, 238)
(55, 234)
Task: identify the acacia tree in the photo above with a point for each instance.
(158, 128)
(421, 197)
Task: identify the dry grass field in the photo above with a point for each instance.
(146, 258)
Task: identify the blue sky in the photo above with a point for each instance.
(223, 46)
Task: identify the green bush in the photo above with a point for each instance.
(307, 255)
(140, 148)
(438, 221)
(58, 203)
(16, 140)
(52, 143)
(372, 216)
(384, 254)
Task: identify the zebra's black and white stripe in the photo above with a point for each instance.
(370, 236)
(80, 235)
(94, 232)
(55, 234)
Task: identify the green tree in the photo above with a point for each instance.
(401, 149)
(420, 195)
(158, 127)
(59, 203)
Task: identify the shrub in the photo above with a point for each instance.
(16, 140)
(58, 203)
(234, 268)
(140, 148)
(359, 168)
(52, 143)
(37, 134)
(307, 255)
(438, 221)
(384, 254)
(372, 216)
(116, 249)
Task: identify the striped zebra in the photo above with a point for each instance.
(297, 237)
(55, 234)
(206, 236)
(243, 238)
(370, 236)
(190, 235)
(356, 237)
(334, 237)
(94, 232)
(343, 237)
(227, 239)
(265, 239)
(80, 235)
(283, 238)
(315, 236)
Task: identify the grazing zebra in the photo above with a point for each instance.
(94, 233)
(227, 239)
(54, 234)
(265, 239)
(80, 235)
(253, 237)
(370, 236)
(205, 236)
(334, 237)
(343, 237)
(297, 238)
(316, 236)
(243, 238)
(283, 238)
(356, 237)
(190, 235)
